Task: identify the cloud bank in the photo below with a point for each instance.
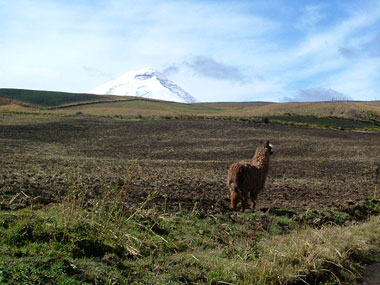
(317, 94)
(208, 67)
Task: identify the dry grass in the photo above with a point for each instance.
(310, 256)
(151, 108)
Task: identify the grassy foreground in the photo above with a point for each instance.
(101, 241)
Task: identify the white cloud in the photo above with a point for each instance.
(208, 67)
(209, 89)
(311, 15)
(360, 81)
(327, 42)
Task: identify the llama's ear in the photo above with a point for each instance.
(261, 142)
(267, 143)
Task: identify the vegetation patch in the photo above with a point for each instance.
(4, 101)
(290, 120)
(325, 122)
(373, 116)
(46, 98)
(70, 244)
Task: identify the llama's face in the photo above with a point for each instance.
(268, 147)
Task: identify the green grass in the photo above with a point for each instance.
(292, 120)
(46, 98)
(105, 243)
(328, 122)
(149, 106)
(183, 111)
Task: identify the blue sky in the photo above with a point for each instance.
(215, 50)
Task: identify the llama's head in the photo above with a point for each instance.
(263, 150)
(269, 147)
(266, 147)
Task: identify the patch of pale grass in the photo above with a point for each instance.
(311, 255)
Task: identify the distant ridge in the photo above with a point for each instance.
(46, 98)
(22, 99)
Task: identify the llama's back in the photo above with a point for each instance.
(240, 176)
(233, 175)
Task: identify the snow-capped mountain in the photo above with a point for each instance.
(148, 83)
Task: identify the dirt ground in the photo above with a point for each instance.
(371, 275)
(184, 162)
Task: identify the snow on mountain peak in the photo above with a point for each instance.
(148, 83)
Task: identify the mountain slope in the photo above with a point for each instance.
(44, 98)
(147, 83)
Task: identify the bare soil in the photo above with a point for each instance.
(184, 162)
(371, 275)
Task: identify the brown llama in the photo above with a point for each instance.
(248, 178)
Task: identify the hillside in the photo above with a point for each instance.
(348, 109)
(333, 114)
(367, 111)
(43, 98)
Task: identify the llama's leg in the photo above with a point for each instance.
(235, 197)
(244, 202)
(253, 205)
(253, 195)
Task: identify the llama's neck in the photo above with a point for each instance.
(260, 160)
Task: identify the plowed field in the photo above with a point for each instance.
(184, 162)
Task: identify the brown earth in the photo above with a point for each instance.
(184, 162)
(371, 275)
(5, 101)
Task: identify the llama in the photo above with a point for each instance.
(248, 178)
